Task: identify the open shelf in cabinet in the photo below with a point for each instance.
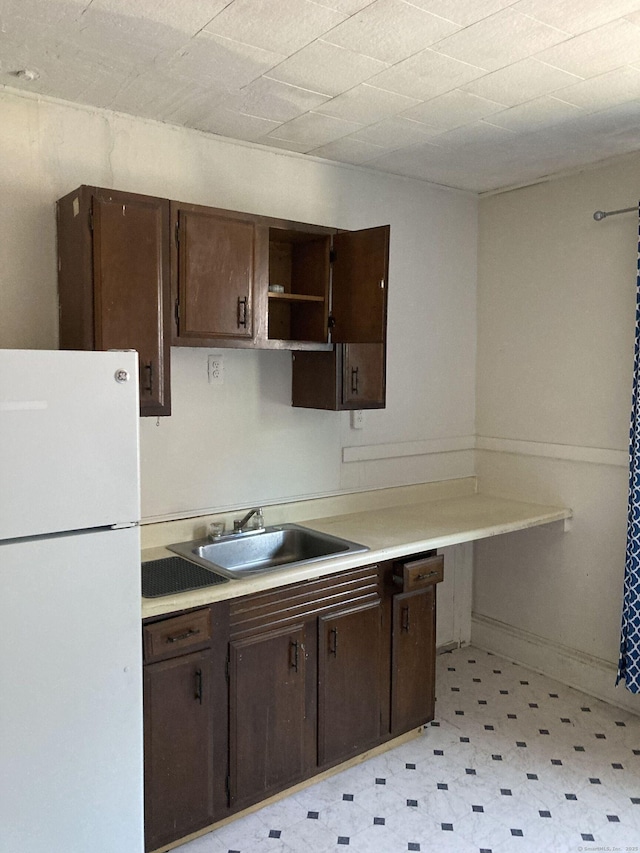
(299, 263)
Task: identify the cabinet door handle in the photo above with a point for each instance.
(198, 692)
(293, 655)
(354, 380)
(333, 642)
(404, 619)
(242, 311)
(177, 637)
(149, 387)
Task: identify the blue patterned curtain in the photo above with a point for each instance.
(629, 664)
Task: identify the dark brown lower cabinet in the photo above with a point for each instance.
(348, 682)
(413, 659)
(250, 696)
(178, 732)
(266, 714)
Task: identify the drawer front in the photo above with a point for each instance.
(174, 636)
(419, 573)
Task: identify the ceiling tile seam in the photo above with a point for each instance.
(288, 85)
(578, 77)
(339, 47)
(558, 92)
(442, 17)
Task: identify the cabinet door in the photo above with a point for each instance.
(178, 737)
(351, 376)
(363, 376)
(131, 287)
(266, 714)
(413, 659)
(349, 682)
(215, 275)
(359, 286)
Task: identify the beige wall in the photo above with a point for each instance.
(556, 311)
(242, 443)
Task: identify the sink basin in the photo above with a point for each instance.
(239, 555)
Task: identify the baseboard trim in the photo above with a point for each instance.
(585, 672)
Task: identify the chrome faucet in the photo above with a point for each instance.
(240, 524)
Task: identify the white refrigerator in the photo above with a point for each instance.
(71, 771)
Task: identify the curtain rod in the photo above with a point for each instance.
(601, 214)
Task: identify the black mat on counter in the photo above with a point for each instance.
(173, 574)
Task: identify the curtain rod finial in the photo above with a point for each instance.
(598, 215)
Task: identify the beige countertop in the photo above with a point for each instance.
(389, 533)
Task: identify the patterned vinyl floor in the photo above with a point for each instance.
(513, 762)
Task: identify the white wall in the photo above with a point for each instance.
(556, 312)
(242, 443)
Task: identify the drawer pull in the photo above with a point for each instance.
(190, 633)
(426, 575)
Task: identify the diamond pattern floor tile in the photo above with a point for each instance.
(514, 761)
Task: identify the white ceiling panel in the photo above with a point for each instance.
(283, 27)
(396, 132)
(520, 82)
(475, 94)
(326, 68)
(599, 93)
(221, 63)
(502, 39)
(366, 104)
(534, 115)
(349, 7)
(142, 96)
(390, 30)
(187, 18)
(576, 16)
(348, 150)
(235, 125)
(463, 12)
(12, 12)
(313, 130)
(598, 51)
(425, 75)
(453, 109)
(274, 100)
(474, 135)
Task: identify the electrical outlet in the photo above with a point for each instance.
(216, 370)
(357, 419)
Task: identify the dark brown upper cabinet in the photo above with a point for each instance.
(215, 264)
(137, 272)
(351, 376)
(113, 282)
(359, 286)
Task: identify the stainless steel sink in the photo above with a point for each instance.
(239, 555)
